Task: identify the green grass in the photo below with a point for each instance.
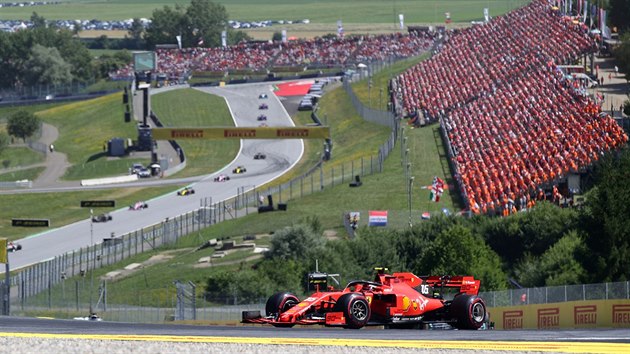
(64, 208)
(84, 128)
(19, 156)
(8, 111)
(191, 107)
(29, 174)
(322, 11)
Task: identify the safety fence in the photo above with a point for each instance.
(119, 301)
(554, 294)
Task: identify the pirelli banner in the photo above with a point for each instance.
(241, 133)
(565, 315)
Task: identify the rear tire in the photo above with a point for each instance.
(469, 311)
(355, 308)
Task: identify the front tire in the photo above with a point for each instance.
(355, 308)
(279, 303)
(469, 311)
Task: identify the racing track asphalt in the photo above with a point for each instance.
(243, 103)
(580, 340)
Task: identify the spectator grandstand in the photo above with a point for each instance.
(512, 121)
(335, 52)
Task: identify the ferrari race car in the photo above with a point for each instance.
(221, 178)
(186, 191)
(260, 156)
(138, 206)
(262, 96)
(263, 106)
(102, 218)
(13, 247)
(261, 117)
(399, 300)
(239, 170)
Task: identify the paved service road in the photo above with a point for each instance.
(243, 102)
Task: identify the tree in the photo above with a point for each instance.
(136, 33)
(201, 20)
(4, 141)
(23, 124)
(618, 14)
(559, 264)
(606, 223)
(45, 66)
(166, 24)
(277, 36)
(206, 20)
(295, 242)
(38, 21)
(622, 54)
(457, 251)
(17, 48)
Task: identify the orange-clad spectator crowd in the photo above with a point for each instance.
(320, 52)
(512, 120)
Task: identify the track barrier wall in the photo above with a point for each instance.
(565, 315)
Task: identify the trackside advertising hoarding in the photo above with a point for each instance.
(565, 315)
(221, 133)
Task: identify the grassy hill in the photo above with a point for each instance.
(323, 11)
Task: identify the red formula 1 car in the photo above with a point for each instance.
(399, 300)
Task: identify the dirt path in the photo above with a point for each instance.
(56, 162)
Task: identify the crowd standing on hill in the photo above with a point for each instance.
(513, 121)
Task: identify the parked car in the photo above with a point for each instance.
(135, 168)
(144, 173)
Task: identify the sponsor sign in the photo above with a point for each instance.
(241, 133)
(98, 203)
(564, 315)
(585, 315)
(621, 315)
(549, 318)
(513, 319)
(377, 218)
(30, 222)
(3, 251)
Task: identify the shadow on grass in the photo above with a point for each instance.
(96, 156)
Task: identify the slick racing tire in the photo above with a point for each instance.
(279, 303)
(355, 308)
(469, 311)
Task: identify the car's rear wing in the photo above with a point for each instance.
(466, 284)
